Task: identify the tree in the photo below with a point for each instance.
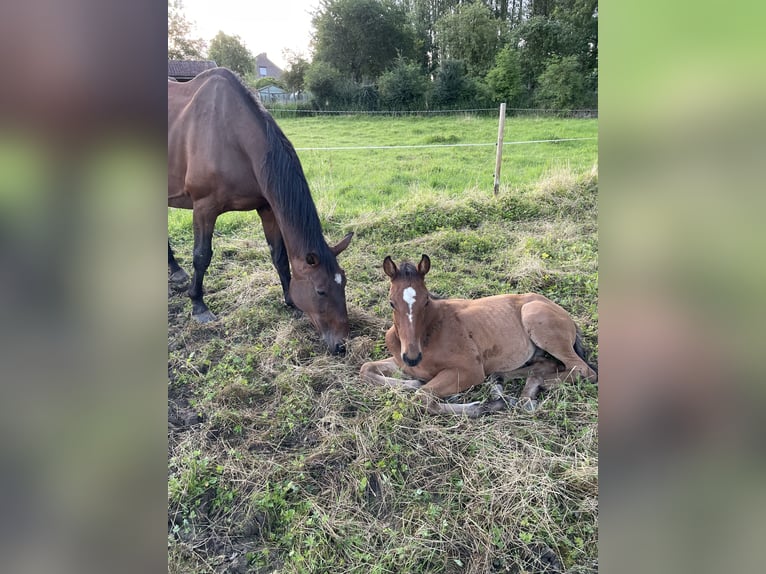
(180, 45)
(562, 85)
(452, 86)
(538, 40)
(361, 38)
(230, 52)
(471, 34)
(403, 87)
(504, 78)
(294, 77)
(323, 81)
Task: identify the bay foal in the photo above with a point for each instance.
(447, 346)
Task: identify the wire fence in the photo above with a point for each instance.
(441, 145)
(585, 113)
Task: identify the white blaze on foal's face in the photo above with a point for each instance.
(338, 279)
(409, 297)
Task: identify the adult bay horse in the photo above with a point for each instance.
(226, 153)
(447, 346)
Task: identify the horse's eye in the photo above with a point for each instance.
(321, 293)
(392, 304)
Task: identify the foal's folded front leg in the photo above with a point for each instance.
(451, 382)
(380, 372)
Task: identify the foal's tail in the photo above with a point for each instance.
(580, 350)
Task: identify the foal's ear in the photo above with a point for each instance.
(342, 244)
(389, 267)
(424, 265)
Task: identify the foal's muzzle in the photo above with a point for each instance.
(412, 362)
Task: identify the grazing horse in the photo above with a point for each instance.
(226, 153)
(448, 346)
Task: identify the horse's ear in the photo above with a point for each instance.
(424, 265)
(312, 259)
(389, 267)
(342, 244)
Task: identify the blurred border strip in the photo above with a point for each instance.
(83, 319)
(682, 278)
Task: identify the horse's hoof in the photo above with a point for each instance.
(179, 276)
(206, 316)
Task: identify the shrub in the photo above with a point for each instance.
(561, 85)
(404, 87)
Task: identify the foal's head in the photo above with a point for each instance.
(409, 298)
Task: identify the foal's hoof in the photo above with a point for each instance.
(206, 316)
(529, 405)
(179, 276)
(498, 404)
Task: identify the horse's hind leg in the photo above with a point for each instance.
(204, 223)
(278, 251)
(177, 274)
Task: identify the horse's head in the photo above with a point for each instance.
(409, 298)
(318, 288)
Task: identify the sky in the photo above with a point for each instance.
(263, 25)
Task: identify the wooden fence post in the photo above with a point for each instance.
(499, 159)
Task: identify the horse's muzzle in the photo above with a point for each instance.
(412, 362)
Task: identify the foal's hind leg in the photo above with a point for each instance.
(204, 223)
(554, 331)
(542, 375)
(278, 251)
(177, 274)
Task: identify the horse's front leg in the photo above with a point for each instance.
(380, 373)
(204, 223)
(277, 250)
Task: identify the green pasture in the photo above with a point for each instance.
(347, 184)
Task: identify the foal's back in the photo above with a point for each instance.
(506, 330)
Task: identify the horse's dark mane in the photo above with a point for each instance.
(285, 183)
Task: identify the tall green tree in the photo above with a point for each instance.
(294, 77)
(504, 79)
(582, 18)
(471, 34)
(231, 52)
(362, 38)
(539, 39)
(181, 44)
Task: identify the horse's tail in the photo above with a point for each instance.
(580, 350)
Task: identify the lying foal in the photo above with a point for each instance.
(448, 346)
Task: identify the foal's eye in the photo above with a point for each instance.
(321, 293)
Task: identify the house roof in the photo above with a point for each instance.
(187, 69)
(271, 90)
(262, 61)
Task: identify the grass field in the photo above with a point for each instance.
(282, 460)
